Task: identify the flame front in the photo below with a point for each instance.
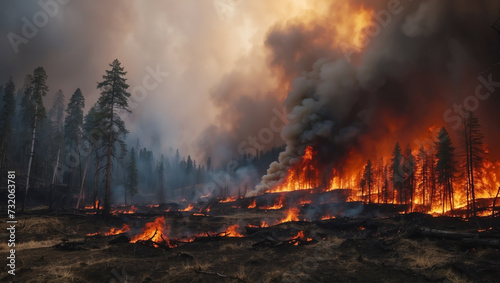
(152, 231)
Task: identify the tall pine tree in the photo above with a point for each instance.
(114, 97)
(34, 93)
(475, 155)
(445, 167)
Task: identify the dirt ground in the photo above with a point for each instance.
(55, 248)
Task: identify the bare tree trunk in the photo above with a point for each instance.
(31, 159)
(83, 181)
(51, 196)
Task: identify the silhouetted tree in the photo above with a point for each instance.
(475, 155)
(445, 167)
(35, 90)
(114, 96)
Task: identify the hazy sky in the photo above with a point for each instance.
(231, 62)
(198, 43)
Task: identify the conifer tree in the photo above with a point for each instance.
(475, 155)
(445, 167)
(114, 97)
(397, 174)
(36, 89)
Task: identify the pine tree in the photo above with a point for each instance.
(397, 174)
(34, 93)
(475, 155)
(423, 172)
(368, 179)
(114, 97)
(56, 113)
(445, 167)
(8, 110)
(410, 166)
(73, 126)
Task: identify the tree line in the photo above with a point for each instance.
(76, 158)
(433, 176)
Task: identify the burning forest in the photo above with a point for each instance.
(244, 142)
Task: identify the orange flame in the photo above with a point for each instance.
(253, 204)
(232, 231)
(292, 214)
(152, 231)
(189, 208)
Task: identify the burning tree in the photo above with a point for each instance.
(114, 96)
(367, 181)
(475, 154)
(445, 167)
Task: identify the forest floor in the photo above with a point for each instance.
(55, 248)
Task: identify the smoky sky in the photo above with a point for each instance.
(200, 44)
(228, 69)
(425, 59)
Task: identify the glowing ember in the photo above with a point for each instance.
(253, 204)
(229, 199)
(131, 210)
(278, 205)
(93, 206)
(113, 231)
(152, 231)
(326, 217)
(189, 208)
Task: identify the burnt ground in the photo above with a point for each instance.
(54, 248)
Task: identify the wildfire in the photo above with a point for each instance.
(292, 214)
(152, 231)
(232, 231)
(253, 204)
(301, 176)
(189, 208)
(113, 231)
(131, 210)
(326, 217)
(229, 199)
(306, 201)
(278, 205)
(95, 205)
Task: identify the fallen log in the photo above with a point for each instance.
(446, 234)
(475, 242)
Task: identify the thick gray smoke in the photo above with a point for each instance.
(425, 59)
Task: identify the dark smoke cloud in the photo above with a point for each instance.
(423, 62)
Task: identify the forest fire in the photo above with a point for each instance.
(292, 214)
(232, 231)
(130, 210)
(418, 186)
(152, 231)
(278, 205)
